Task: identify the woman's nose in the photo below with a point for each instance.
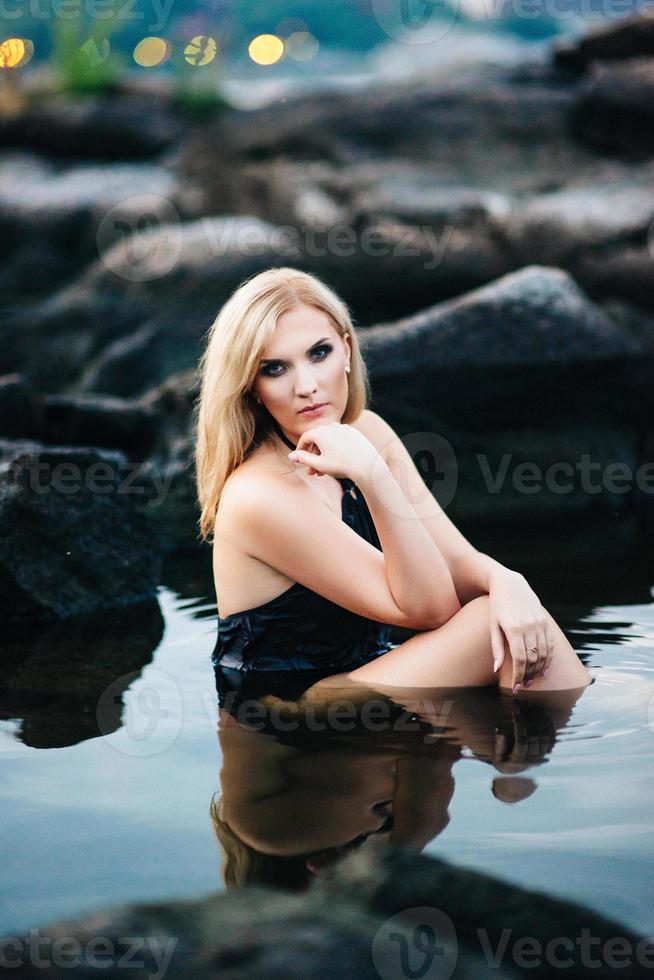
(305, 383)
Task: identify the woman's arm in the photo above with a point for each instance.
(418, 574)
(472, 571)
(517, 619)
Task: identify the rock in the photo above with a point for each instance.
(98, 128)
(437, 172)
(418, 199)
(614, 110)
(54, 222)
(93, 420)
(172, 506)
(526, 474)
(175, 513)
(490, 126)
(178, 278)
(155, 433)
(629, 37)
(52, 341)
(71, 539)
(77, 420)
(128, 365)
(582, 219)
(529, 349)
(20, 411)
(599, 232)
(622, 271)
(350, 923)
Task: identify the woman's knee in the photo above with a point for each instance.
(474, 614)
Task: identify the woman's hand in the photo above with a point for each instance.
(336, 449)
(516, 613)
(524, 740)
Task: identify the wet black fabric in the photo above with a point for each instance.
(283, 646)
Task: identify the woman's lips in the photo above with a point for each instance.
(313, 411)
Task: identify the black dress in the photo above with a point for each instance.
(285, 645)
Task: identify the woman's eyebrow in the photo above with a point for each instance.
(279, 360)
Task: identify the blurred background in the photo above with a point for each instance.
(309, 43)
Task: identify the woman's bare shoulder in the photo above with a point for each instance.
(256, 476)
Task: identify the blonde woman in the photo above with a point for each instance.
(307, 496)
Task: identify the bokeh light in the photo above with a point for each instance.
(266, 49)
(302, 46)
(201, 50)
(16, 52)
(152, 51)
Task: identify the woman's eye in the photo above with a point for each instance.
(270, 369)
(325, 347)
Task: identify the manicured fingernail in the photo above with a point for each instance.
(516, 688)
(495, 665)
(527, 683)
(546, 672)
(293, 456)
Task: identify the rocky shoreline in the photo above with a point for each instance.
(492, 232)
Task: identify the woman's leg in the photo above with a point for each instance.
(459, 654)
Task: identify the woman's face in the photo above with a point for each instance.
(304, 364)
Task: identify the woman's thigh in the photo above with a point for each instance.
(459, 654)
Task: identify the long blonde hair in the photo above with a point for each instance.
(229, 422)
(243, 865)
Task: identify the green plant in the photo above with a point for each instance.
(196, 88)
(82, 54)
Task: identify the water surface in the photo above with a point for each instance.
(109, 753)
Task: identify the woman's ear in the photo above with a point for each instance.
(348, 351)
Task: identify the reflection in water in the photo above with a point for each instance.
(53, 675)
(304, 783)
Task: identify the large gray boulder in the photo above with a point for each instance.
(530, 348)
